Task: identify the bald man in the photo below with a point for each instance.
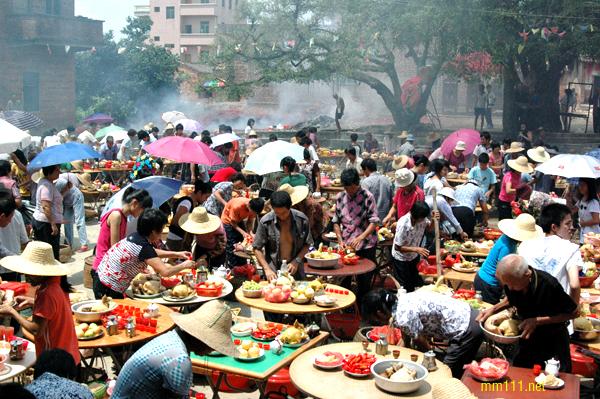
(544, 308)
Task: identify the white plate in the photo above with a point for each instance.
(326, 367)
(252, 359)
(357, 375)
(170, 298)
(560, 384)
(463, 270)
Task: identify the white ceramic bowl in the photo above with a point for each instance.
(588, 335)
(394, 386)
(252, 293)
(324, 263)
(88, 317)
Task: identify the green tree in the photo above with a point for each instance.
(362, 40)
(118, 76)
(535, 60)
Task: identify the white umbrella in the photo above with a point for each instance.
(117, 135)
(12, 138)
(172, 116)
(266, 159)
(571, 166)
(224, 138)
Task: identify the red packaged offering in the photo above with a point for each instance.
(153, 322)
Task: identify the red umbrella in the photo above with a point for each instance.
(469, 136)
(182, 149)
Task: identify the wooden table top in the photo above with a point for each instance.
(334, 384)
(164, 324)
(227, 289)
(343, 301)
(363, 266)
(520, 383)
(332, 189)
(453, 275)
(474, 254)
(208, 367)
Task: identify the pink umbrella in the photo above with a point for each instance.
(182, 149)
(469, 136)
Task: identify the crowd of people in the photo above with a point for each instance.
(282, 223)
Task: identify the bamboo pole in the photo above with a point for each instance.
(436, 225)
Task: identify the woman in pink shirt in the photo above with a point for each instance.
(510, 184)
(113, 225)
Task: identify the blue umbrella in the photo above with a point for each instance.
(62, 153)
(160, 188)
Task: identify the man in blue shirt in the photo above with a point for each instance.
(109, 150)
(162, 368)
(484, 175)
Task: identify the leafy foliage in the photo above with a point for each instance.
(118, 76)
(362, 40)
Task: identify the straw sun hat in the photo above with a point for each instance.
(403, 135)
(199, 221)
(37, 259)
(448, 193)
(515, 146)
(298, 193)
(210, 324)
(399, 162)
(86, 180)
(520, 165)
(538, 154)
(404, 177)
(522, 228)
(460, 146)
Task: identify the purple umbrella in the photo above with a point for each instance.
(190, 125)
(98, 118)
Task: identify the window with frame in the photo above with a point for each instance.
(169, 45)
(187, 29)
(156, 9)
(31, 91)
(53, 7)
(157, 38)
(204, 27)
(170, 12)
(230, 1)
(222, 3)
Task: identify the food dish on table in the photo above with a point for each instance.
(488, 370)
(549, 381)
(329, 360)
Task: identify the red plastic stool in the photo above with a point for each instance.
(236, 381)
(281, 382)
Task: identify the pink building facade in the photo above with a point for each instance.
(189, 27)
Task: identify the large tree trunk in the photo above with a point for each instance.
(510, 120)
(548, 90)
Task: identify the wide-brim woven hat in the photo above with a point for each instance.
(433, 136)
(37, 259)
(37, 176)
(403, 135)
(538, 154)
(298, 193)
(86, 180)
(211, 324)
(404, 177)
(520, 164)
(448, 193)
(199, 221)
(399, 162)
(522, 228)
(515, 146)
(460, 146)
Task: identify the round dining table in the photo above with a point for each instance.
(195, 300)
(343, 296)
(105, 344)
(335, 384)
(341, 270)
(15, 368)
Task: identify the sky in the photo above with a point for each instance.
(114, 13)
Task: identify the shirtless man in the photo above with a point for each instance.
(282, 235)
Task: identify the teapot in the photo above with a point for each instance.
(222, 272)
(552, 367)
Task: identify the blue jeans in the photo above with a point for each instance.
(75, 215)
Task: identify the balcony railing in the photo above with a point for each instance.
(77, 32)
(209, 3)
